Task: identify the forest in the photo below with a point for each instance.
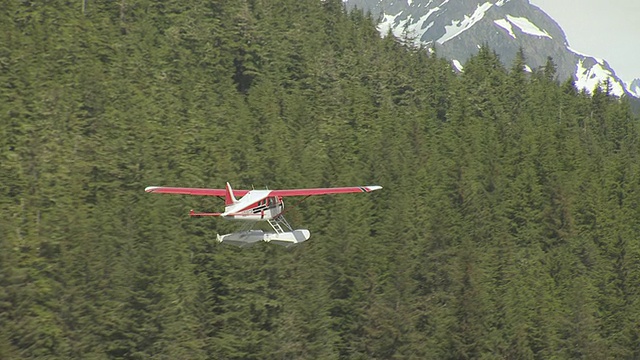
(506, 229)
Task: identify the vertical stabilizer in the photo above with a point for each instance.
(229, 199)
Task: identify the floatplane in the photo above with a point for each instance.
(258, 205)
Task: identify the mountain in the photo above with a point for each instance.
(457, 28)
(634, 88)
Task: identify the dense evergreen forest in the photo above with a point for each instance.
(507, 226)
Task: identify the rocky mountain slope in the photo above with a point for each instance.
(456, 28)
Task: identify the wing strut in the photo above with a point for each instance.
(279, 223)
(293, 206)
(192, 213)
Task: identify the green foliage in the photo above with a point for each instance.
(506, 228)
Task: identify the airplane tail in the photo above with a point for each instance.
(229, 198)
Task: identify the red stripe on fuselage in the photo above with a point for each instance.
(268, 203)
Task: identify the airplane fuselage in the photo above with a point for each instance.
(264, 209)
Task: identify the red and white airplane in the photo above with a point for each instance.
(258, 205)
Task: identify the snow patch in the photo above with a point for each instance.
(387, 23)
(634, 88)
(589, 78)
(527, 26)
(501, 2)
(429, 26)
(398, 31)
(503, 23)
(459, 26)
(457, 65)
(431, 11)
(417, 29)
(406, 28)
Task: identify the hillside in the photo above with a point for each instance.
(506, 226)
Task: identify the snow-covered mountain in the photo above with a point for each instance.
(634, 88)
(457, 28)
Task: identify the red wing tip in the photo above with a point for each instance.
(150, 188)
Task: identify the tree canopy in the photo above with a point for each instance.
(506, 227)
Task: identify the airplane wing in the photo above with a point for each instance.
(264, 193)
(191, 191)
(325, 191)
